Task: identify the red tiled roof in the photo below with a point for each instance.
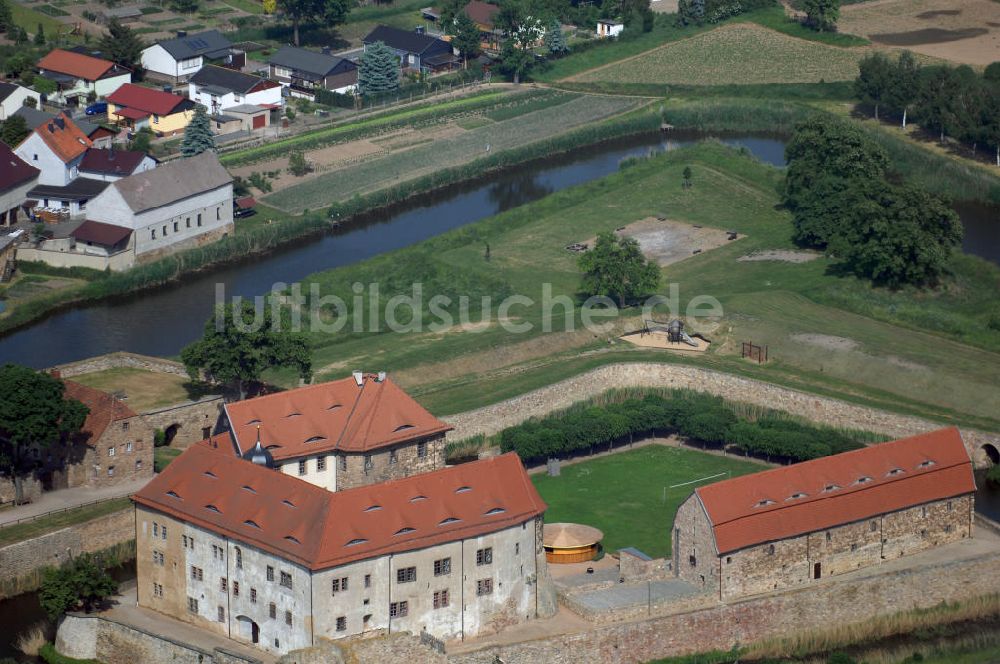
(104, 409)
(216, 490)
(64, 138)
(75, 64)
(336, 415)
(100, 233)
(144, 99)
(853, 486)
(131, 113)
(481, 12)
(14, 170)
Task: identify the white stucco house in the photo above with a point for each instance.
(608, 28)
(176, 60)
(77, 76)
(13, 96)
(218, 89)
(17, 178)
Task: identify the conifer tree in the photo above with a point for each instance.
(198, 134)
(555, 41)
(378, 70)
(122, 45)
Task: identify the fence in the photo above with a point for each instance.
(754, 352)
(35, 517)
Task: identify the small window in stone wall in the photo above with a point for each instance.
(949, 528)
(729, 559)
(343, 463)
(272, 610)
(949, 506)
(393, 458)
(693, 560)
(923, 532)
(923, 511)
(368, 580)
(770, 550)
(111, 471)
(422, 450)
(192, 605)
(124, 426)
(854, 547)
(874, 526)
(236, 588)
(128, 446)
(138, 464)
(288, 618)
(222, 614)
(342, 624)
(829, 537)
(253, 595)
(320, 464)
(111, 451)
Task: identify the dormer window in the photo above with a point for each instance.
(463, 489)
(293, 415)
(894, 472)
(173, 494)
(253, 421)
(764, 503)
(213, 508)
(209, 473)
(863, 480)
(247, 487)
(495, 510)
(405, 531)
(417, 498)
(403, 427)
(797, 495)
(315, 439)
(926, 463)
(291, 538)
(830, 487)
(372, 508)
(334, 406)
(450, 519)
(288, 503)
(357, 541)
(251, 523)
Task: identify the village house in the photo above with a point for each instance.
(57, 148)
(608, 28)
(17, 178)
(342, 434)
(110, 164)
(78, 76)
(484, 15)
(176, 60)
(182, 204)
(219, 89)
(114, 447)
(135, 107)
(98, 135)
(267, 559)
(416, 51)
(13, 97)
(303, 71)
(790, 526)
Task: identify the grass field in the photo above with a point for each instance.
(740, 53)
(447, 151)
(145, 390)
(793, 307)
(29, 529)
(623, 494)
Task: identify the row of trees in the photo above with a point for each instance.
(952, 101)
(694, 415)
(700, 12)
(842, 202)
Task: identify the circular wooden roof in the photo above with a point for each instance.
(569, 535)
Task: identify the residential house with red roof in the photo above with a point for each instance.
(793, 525)
(342, 434)
(110, 164)
(134, 106)
(17, 177)
(232, 546)
(114, 447)
(78, 76)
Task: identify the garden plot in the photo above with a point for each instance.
(667, 241)
(965, 31)
(447, 151)
(741, 53)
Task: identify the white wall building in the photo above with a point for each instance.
(607, 28)
(218, 89)
(55, 148)
(77, 76)
(176, 60)
(12, 97)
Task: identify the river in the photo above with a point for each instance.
(162, 321)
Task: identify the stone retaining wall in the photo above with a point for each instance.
(492, 419)
(117, 360)
(818, 607)
(98, 637)
(21, 563)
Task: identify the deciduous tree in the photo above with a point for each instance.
(82, 583)
(198, 136)
(874, 79)
(240, 343)
(327, 12)
(378, 70)
(822, 15)
(13, 130)
(616, 268)
(521, 31)
(906, 84)
(6, 17)
(465, 36)
(35, 413)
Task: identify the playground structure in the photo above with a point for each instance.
(666, 335)
(570, 542)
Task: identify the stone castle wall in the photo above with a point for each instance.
(21, 563)
(494, 418)
(382, 469)
(117, 360)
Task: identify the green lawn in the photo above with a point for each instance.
(623, 494)
(29, 529)
(162, 456)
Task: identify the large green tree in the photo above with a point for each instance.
(616, 268)
(13, 130)
(874, 79)
(822, 15)
(521, 28)
(6, 17)
(329, 13)
(939, 86)
(35, 413)
(81, 584)
(198, 136)
(378, 70)
(554, 40)
(240, 343)
(122, 45)
(905, 85)
(465, 36)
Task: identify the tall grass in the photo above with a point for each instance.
(830, 91)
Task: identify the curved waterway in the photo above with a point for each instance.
(162, 321)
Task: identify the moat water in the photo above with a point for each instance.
(162, 321)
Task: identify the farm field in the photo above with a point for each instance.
(797, 308)
(740, 53)
(399, 158)
(964, 31)
(623, 494)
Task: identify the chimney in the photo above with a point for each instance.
(61, 122)
(359, 378)
(182, 33)
(381, 376)
(326, 50)
(52, 128)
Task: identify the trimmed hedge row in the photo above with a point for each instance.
(694, 415)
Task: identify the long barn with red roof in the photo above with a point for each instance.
(792, 525)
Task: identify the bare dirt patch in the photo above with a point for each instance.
(667, 241)
(826, 341)
(781, 255)
(964, 31)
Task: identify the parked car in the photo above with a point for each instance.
(97, 108)
(242, 213)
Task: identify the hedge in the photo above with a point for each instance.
(694, 415)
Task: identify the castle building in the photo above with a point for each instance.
(790, 526)
(263, 557)
(342, 434)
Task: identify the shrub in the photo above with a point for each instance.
(49, 653)
(993, 475)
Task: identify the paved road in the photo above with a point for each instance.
(57, 500)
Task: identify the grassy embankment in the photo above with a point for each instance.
(45, 524)
(894, 363)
